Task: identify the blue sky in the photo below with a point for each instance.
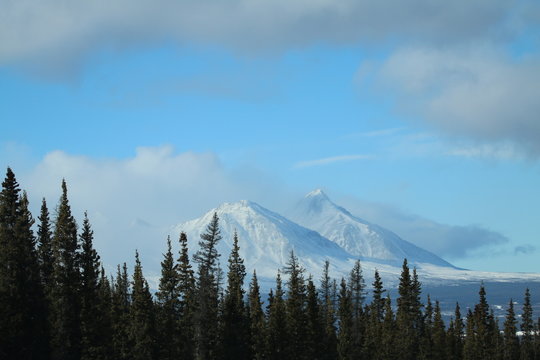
(420, 117)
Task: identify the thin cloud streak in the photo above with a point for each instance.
(377, 133)
(487, 151)
(331, 160)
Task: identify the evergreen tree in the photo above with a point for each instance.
(296, 301)
(91, 325)
(104, 315)
(65, 294)
(22, 303)
(45, 251)
(186, 289)
(357, 290)
(482, 336)
(378, 302)
(496, 349)
(388, 350)
(234, 322)
(329, 351)
(511, 341)
(207, 295)
(375, 317)
(168, 302)
(345, 323)
(315, 327)
(438, 334)
(277, 335)
(527, 328)
(407, 315)
(470, 345)
(142, 332)
(120, 321)
(482, 326)
(455, 336)
(426, 340)
(256, 320)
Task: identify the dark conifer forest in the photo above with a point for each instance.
(57, 302)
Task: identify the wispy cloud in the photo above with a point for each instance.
(498, 152)
(377, 133)
(446, 240)
(331, 160)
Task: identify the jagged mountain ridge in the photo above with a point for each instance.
(357, 236)
(267, 238)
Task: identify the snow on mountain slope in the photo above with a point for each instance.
(265, 238)
(358, 237)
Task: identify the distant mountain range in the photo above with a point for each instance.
(325, 231)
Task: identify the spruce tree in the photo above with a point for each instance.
(315, 327)
(375, 316)
(345, 323)
(455, 336)
(378, 302)
(296, 302)
(484, 342)
(496, 346)
(527, 328)
(511, 341)
(390, 334)
(234, 335)
(120, 309)
(104, 315)
(277, 334)
(407, 315)
(256, 320)
(438, 334)
(206, 317)
(65, 295)
(470, 345)
(186, 289)
(91, 326)
(45, 251)
(357, 290)
(426, 340)
(142, 332)
(23, 332)
(328, 314)
(168, 307)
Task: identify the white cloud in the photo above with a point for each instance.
(488, 151)
(132, 202)
(56, 34)
(478, 93)
(448, 241)
(331, 160)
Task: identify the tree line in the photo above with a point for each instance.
(57, 302)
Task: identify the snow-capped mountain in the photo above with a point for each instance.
(265, 238)
(357, 236)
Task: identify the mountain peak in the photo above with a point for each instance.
(317, 193)
(357, 236)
